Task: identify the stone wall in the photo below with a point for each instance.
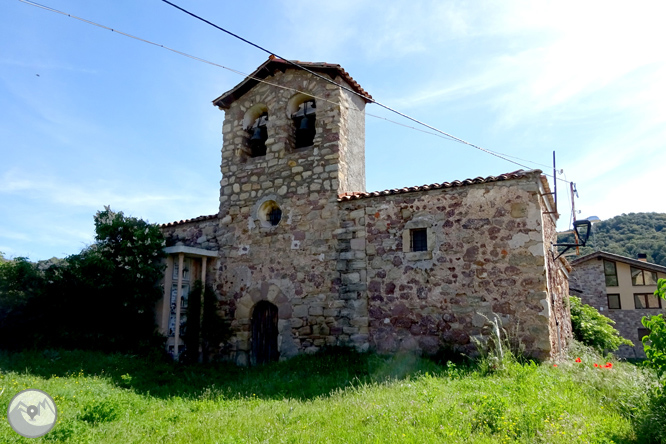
(485, 258)
(340, 271)
(292, 264)
(589, 278)
(587, 281)
(201, 232)
(558, 288)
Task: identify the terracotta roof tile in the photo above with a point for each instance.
(275, 64)
(185, 221)
(456, 183)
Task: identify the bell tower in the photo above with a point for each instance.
(293, 142)
(281, 114)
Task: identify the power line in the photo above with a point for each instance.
(438, 133)
(450, 136)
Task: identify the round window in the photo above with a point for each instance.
(270, 213)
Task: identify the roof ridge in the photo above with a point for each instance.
(185, 221)
(434, 186)
(616, 256)
(226, 98)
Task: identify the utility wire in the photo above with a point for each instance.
(450, 136)
(438, 133)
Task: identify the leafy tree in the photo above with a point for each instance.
(652, 423)
(594, 329)
(628, 235)
(20, 281)
(654, 343)
(102, 298)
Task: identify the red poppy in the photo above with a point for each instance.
(579, 360)
(609, 365)
(554, 365)
(596, 365)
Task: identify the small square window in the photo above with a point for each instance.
(418, 239)
(614, 301)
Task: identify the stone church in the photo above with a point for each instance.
(301, 257)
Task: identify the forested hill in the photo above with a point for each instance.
(628, 235)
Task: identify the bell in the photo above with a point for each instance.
(258, 141)
(305, 132)
(257, 135)
(305, 124)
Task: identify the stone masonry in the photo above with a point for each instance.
(588, 282)
(339, 267)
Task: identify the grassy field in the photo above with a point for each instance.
(338, 396)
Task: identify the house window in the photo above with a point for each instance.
(610, 271)
(258, 136)
(643, 277)
(304, 122)
(647, 300)
(614, 301)
(418, 239)
(643, 332)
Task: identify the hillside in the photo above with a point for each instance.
(628, 235)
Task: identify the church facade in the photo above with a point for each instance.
(301, 257)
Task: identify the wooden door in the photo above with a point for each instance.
(264, 333)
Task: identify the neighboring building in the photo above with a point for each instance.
(301, 257)
(622, 289)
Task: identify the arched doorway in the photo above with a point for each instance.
(264, 333)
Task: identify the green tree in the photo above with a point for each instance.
(102, 298)
(652, 423)
(20, 281)
(654, 343)
(628, 235)
(594, 329)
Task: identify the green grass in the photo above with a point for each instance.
(338, 396)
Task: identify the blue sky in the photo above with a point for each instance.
(90, 118)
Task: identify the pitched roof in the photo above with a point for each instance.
(185, 221)
(274, 64)
(618, 258)
(435, 186)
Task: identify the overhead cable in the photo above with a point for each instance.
(437, 132)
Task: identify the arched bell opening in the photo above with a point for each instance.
(255, 122)
(264, 333)
(302, 110)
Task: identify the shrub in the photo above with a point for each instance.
(594, 329)
(20, 280)
(106, 410)
(102, 298)
(652, 424)
(655, 343)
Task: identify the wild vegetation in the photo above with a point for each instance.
(628, 235)
(102, 298)
(594, 329)
(336, 396)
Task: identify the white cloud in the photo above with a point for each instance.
(550, 55)
(55, 192)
